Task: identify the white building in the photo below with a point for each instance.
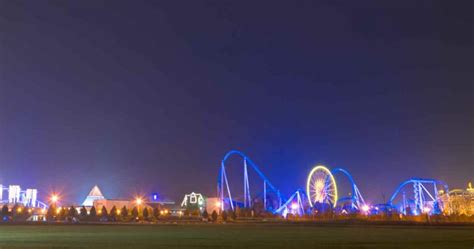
(94, 194)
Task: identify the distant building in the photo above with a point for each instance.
(94, 194)
(459, 201)
(194, 201)
(109, 204)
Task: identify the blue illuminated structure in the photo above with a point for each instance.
(25, 197)
(355, 198)
(225, 194)
(296, 204)
(424, 196)
(155, 197)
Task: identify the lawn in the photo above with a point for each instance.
(235, 236)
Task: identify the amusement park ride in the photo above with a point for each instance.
(16, 195)
(322, 193)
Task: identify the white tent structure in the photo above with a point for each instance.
(94, 194)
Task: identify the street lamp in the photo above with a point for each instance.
(54, 198)
(138, 200)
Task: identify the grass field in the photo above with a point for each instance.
(235, 236)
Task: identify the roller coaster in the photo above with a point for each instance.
(323, 193)
(424, 196)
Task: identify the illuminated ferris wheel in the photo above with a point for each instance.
(321, 187)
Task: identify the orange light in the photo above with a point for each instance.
(138, 200)
(54, 198)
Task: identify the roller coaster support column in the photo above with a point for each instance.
(247, 197)
(265, 195)
(224, 179)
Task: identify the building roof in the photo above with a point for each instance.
(94, 194)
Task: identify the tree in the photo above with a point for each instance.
(124, 212)
(92, 213)
(233, 215)
(214, 216)
(72, 212)
(156, 212)
(224, 215)
(5, 211)
(103, 212)
(113, 213)
(16, 210)
(186, 212)
(238, 211)
(61, 214)
(83, 212)
(51, 212)
(135, 212)
(205, 214)
(145, 213)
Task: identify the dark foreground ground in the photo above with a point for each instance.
(272, 236)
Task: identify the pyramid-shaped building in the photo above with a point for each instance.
(94, 194)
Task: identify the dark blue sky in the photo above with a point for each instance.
(144, 96)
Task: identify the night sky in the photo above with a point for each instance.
(144, 96)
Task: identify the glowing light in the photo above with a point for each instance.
(317, 189)
(54, 198)
(18, 210)
(218, 204)
(118, 211)
(426, 210)
(365, 208)
(294, 206)
(139, 200)
(58, 211)
(193, 198)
